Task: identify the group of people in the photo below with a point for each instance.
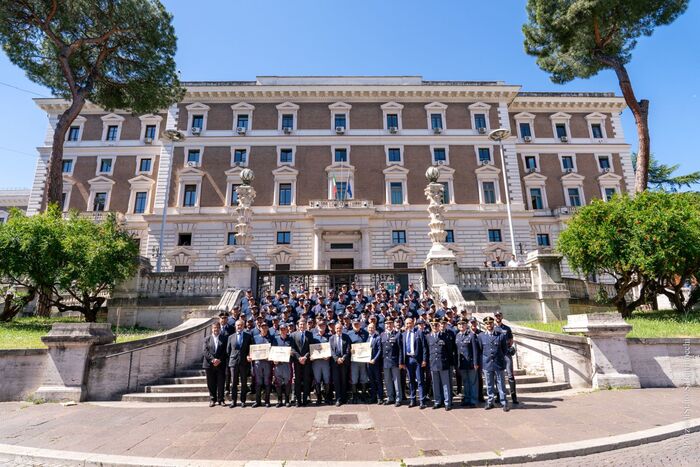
(417, 349)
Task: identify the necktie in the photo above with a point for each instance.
(240, 336)
(302, 338)
(339, 345)
(216, 343)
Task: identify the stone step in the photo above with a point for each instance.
(177, 388)
(184, 380)
(192, 372)
(528, 379)
(541, 387)
(166, 397)
(519, 372)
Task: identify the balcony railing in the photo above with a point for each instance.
(95, 216)
(495, 279)
(182, 284)
(337, 203)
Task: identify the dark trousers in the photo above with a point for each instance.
(302, 381)
(376, 390)
(415, 379)
(239, 373)
(227, 379)
(340, 381)
(215, 382)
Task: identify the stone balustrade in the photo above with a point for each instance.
(187, 284)
(336, 203)
(495, 279)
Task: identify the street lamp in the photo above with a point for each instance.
(499, 135)
(173, 136)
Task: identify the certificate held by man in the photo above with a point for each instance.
(320, 351)
(361, 352)
(280, 353)
(259, 351)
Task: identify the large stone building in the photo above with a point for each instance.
(311, 140)
(12, 198)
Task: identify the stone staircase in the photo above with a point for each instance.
(190, 386)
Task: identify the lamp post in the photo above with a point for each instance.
(499, 135)
(173, 136)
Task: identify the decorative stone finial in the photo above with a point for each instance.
(432, 174)
(247, 176)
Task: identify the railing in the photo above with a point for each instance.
(337, 203)
(95, 216)
(495, 279)
(185, 284)
(585, 290)
(566, 210)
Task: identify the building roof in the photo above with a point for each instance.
(18, 197)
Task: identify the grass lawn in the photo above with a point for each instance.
(25, 333)
(661, 323)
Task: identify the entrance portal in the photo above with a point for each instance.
(342, 279)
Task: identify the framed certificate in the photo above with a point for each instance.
(361, 352)
(259, 351)
(280, 353)
(320, 351)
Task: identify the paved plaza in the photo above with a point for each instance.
(372, 433)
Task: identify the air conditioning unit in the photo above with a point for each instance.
(531, 170)
(393, 130)
(192, 164)
(287, 130)
(196, 130)
(569, 171)
(241, 130)
(437, 130)
(564, 139)
(481, 130)
(148, 140)
(527, 139)
(340, 130)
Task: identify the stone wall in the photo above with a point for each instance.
(22, 371)
(666, 362)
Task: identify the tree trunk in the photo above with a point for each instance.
(43, 305)
(11, 308)
(54, 178)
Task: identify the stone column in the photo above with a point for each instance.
(547, 283)
(69, 346)
(441, 263)
(241, 263)
(606, 333)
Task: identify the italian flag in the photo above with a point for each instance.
(335, 188)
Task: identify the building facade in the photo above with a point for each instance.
(14, 198)
(339, 167)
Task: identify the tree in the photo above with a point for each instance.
(77, 260)
(651, 241)
(579, 38)
(118, 54)
(661, 175)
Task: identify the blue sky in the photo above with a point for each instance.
(450, 40)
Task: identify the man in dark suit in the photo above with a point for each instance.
(214, 364)
(340, 352)
(441, 356)
(301, 340)
(374, 367)
(504, 328)
(467, 363)
(493, 346)
(391, 356)
(414, 359)
(226, 330)
(238, 349)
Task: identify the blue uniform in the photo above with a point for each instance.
(374, 370)
(391, 356)
(467, 354)
(358, 370)
(441, 357)
(493, 347)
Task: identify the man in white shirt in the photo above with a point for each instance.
(513, 263)
(214, 364)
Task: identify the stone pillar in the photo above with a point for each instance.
(441, 263)
(69, 346)
(242, 267)
(547, 283)
(606, 333)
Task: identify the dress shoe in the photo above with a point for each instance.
(279, 404)
(397, 404)
(242, 404)
(411, 404)
(448, 408)
(422, 406)
(437, 406)
(489, 407)
(506, 408)
(298, 403)
(380, 402)
(212, 404)
(338, 403)
(233, 405)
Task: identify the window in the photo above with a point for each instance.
(560, 129)
(495, 235)
(543, 239)
(536, 197)
(530, 162)
(609, 193)
(489, 192)
(181, 269)
(150, 132)
(285, 195)
(574, 196)
(342, 246)
(112, 131)
(231, 238)
(288, 121)
(198, 121)
(398, 236)
(396, 190)
(394, 155)
(567, 162)
(450, 238)
(340, 120)
(242, 122)
(341, 155)
(525, 129)
(145, 165)
(67, 166)
(64, 196)
(445, 193)
(604, 162)
(597, 130)
(284, 238)
(392, 120)
(190, 197)
(480, 120)
(73, 133)
(193, 156)
(239, 156)
(105, 165)
(436, 121)
(286, 156)
(184, 239)
(341, 190)
(234, 195)
(439, 155)
(99, 202)
(484, 155)
(140, 202)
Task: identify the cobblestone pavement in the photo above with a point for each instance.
(379, 433)
(681, 451)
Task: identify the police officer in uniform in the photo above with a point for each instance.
(358, 370)
(474, 329)
(467, 363)
(504, 328)
(321, 367)
(374, 367)
(340, 352)
(262, 369)
(441, 356)
(493, 346)
(283, 370)
(391, 355)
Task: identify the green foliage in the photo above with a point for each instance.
(121, 53)
(575, 38)
(661, 175)
(71, 257)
